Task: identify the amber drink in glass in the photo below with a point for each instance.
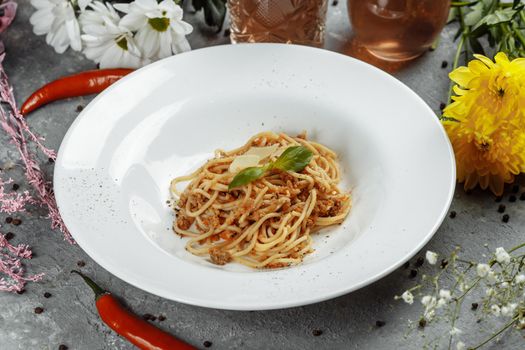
(397, 30)
(281, 21)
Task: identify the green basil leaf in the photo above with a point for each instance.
(294, 158)
(246, 176)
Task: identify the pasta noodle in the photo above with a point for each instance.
(268, 222)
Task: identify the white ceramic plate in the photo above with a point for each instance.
(115, 164)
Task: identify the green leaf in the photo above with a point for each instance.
(293, 159)
(475, 15)
(497, 17)
(246, 176)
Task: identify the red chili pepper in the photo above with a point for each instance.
(85, 83)
(139, 332)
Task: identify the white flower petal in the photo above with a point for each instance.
(431, 257)
(82, 4)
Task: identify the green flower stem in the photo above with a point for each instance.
(519, 34)
(516, 247)
(503, 329)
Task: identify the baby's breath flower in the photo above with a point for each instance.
(508, 310)
(440, 303)
(431, 257)
(483, 270)
(429, 314)
(521, 323)
(495, 309)
(502, 256)
(491, 277)
(460, 345)
(445, 294)
(455, 331)
(519, 278)
(504, 285)
(428, 301)
(407, 297)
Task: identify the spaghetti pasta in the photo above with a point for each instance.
(268, 222)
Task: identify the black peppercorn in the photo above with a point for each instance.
(317, 332)
(419, 262)
(39, 310)
(207, 344)
(501, 208)
(380, 323)
(505, 218)
(444, 263)
(474, 306)
(452, 214)
(412, 274)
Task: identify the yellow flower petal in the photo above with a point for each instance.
(487, 61)
(461, 76)
(501, 58)
(477, 67)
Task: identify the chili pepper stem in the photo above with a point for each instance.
(95, 287)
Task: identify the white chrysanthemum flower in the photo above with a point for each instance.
(56, 19)
(502, 256)
(483, 270)
(161, 32)
(431, 257)
(495, 309)
(519, 278)
(455, 331)
(407, 297)
(105, 41)
(460, 345)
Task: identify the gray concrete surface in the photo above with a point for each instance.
(347, 322)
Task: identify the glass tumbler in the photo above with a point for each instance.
(397, 30)
(281, 21)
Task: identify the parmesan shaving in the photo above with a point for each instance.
(244, 161)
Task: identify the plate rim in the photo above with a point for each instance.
(226, 305)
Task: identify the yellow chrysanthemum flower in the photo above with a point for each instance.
(488, 134)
